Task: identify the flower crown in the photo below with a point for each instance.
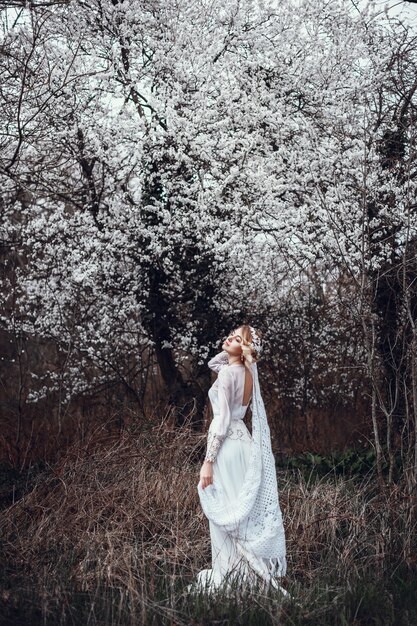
(256, 341)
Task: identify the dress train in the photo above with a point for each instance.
(231, 564)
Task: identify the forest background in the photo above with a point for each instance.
(170, 170)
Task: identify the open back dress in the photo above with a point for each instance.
(229, 448)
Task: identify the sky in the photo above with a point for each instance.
(405, 10)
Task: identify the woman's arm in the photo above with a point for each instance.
(221, 422)
(219, 425)
(217, 362)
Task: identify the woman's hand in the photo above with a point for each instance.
(206, 474)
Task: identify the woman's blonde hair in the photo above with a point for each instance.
(249, 354)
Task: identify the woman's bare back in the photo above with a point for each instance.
(247, 389)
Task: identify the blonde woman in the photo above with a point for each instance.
(238, 487)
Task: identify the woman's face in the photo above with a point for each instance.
(233, 343)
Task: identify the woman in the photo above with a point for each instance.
(238, 487)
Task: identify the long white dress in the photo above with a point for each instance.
(229, 447)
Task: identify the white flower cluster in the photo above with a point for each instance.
(210, 163)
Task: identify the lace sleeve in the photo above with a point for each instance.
(221, 422)
(220, 359)
(213, 446)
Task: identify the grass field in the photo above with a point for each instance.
(113, 533)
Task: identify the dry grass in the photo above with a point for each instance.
(125, 518)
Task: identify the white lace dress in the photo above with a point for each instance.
(228, 446)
